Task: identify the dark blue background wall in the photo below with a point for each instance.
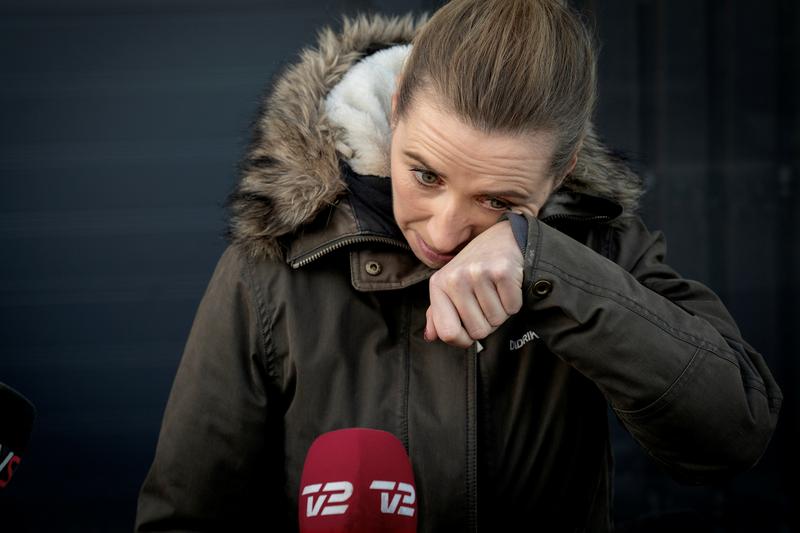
(121, 123)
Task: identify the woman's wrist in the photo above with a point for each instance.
(519, 227)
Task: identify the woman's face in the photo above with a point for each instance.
(450, 182)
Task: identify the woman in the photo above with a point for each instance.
(428, 239)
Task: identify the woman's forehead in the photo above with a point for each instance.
(437, 138)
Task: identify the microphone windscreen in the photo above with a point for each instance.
(16, 422)
(16, 419)
(357, 479)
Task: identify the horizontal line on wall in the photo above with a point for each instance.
(55, 82)
(138, 354)
(755, 168)
(93, 222)
(100, 289)
(149, 7)
(58, 154)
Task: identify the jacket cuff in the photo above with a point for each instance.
(519, 226)
(534, 288)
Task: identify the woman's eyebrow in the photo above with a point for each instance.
(507, 193)
(419, 159)
(519, 195)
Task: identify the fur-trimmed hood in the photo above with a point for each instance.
(292, 169)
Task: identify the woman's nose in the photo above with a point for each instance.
(449, 229)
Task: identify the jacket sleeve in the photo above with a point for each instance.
(663, 350)
(209, 471)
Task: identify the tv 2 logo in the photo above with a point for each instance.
(7, 465)
(342, 490)
(404, 490)
(338, 492)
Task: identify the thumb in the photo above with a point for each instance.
(430, 330)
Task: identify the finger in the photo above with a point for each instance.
(430, 330)
(471, 313)
(446, 320)
(510, 293)
(490, 303)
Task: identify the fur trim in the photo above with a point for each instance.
(291, 171)
(602, 172)
(361, 105)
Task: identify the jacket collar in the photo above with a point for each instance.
(364, 215)
(292, 172)
(565, 204)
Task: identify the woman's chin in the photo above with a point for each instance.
(429, 263)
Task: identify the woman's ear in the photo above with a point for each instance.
(572, 164)
(574, 161)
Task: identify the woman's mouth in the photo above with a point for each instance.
(431, 255)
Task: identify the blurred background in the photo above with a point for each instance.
(121, 124)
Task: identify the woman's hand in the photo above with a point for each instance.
(473, 294)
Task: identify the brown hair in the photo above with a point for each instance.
(507, 66)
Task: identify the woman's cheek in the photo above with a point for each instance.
(406, 193)
(403, 197)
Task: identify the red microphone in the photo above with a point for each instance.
(357, 479)
(16, 422)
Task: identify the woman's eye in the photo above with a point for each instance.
(425, 178)
(496, 203)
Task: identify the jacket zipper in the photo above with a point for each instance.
(472, 438)
(563, 216)
(394, 242)
(346, 242)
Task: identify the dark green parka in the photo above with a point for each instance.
(313, 321)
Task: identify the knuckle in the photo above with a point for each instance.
(441, 280)
(496, 319)
(475, 271)
(500, 272)
(447, 333)
(479, 332)
(455, 280)
(462, 341)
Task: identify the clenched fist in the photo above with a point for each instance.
(473, 294)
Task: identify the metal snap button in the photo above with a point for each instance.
(373, 268)
(542, 288)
